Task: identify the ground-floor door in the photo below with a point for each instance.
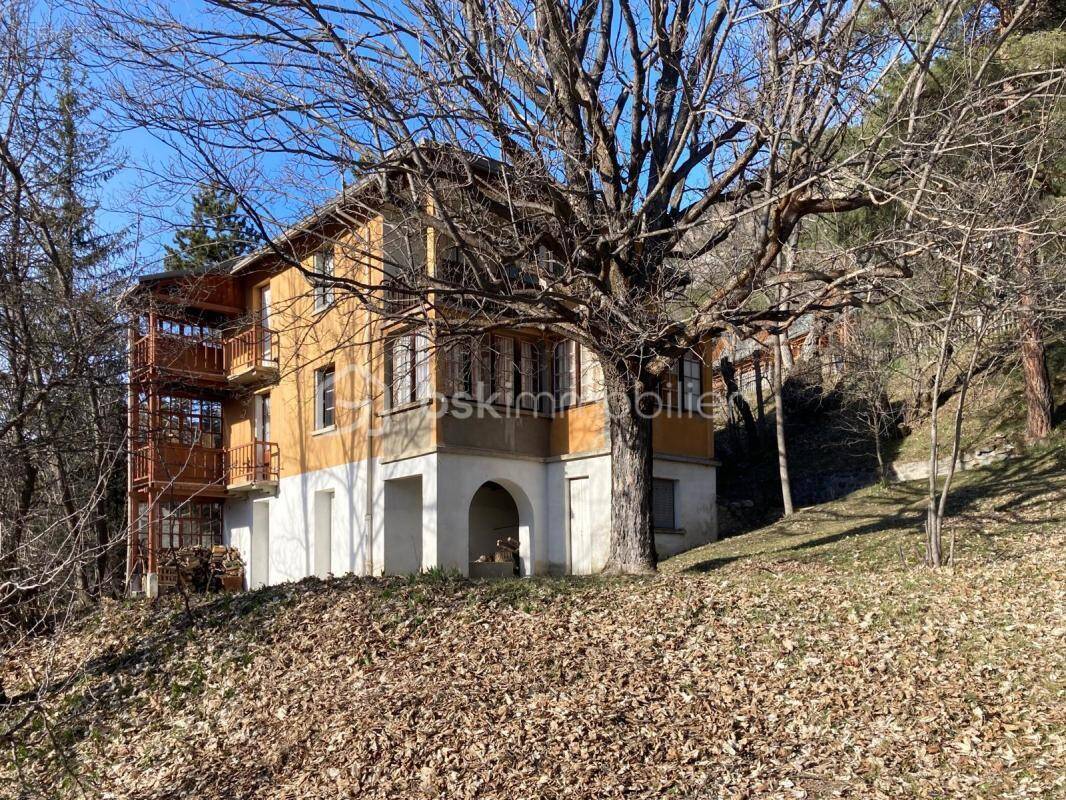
(323, 534)
(259, 561)
(580, 526)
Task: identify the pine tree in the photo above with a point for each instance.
(217, 231)
(80, 344)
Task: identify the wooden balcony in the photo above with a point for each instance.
(253, 467)
(251, 357)
(179, 467)
(246, 359)
(199, 361)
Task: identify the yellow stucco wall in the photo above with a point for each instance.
(347, 336)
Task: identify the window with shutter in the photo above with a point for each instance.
(663, 505)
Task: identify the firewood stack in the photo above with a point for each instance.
(198, 569)
(228, 568)
(507, 552)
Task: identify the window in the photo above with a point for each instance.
(563, 374)
(407, 368)
(591, 376)
(503, 382)
(323, 288)
(458, 368)
(185, 420)
(528, 371)
(691, 383)
(324, 398)
(663, 504)
(190, 523)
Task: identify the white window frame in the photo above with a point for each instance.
(564, 374)
(503, 369)
(321, 408)
(407, 369)
(324, 264)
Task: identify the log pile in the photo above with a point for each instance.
(200, 570)
(506, 553)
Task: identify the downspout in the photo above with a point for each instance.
(369, 516)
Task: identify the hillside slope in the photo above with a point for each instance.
(801, 660)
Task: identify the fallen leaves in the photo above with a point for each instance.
(813, 681)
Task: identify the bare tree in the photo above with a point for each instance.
(61, 360)
(622, 174)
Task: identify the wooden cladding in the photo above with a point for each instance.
(165, 463)
(191, 356)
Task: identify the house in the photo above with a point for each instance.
(273, 413)
(752, 357)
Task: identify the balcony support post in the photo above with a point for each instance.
(154, 539)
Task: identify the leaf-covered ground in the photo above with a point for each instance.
(802, 660)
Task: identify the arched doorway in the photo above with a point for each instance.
(493, 518)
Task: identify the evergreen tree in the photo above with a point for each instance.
(217, 231)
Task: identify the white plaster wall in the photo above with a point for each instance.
(426, 467)
(598, 470)
(460, 475)
(291, 513)
(696, 507)
(449, 481)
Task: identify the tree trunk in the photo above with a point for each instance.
(779, 414)
(1039, 402)
(632, 549)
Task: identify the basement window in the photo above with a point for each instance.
(664, 504)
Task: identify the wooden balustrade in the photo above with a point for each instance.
(171, 463)
(252, 353)
(255, 346)
(179, 354)
(253, 463)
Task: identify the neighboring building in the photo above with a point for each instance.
(273, 415)
(753, 357)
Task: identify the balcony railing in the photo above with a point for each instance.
(251, 354)
(171, 463)
(253, 465)
(197, 358)
(249, 466)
